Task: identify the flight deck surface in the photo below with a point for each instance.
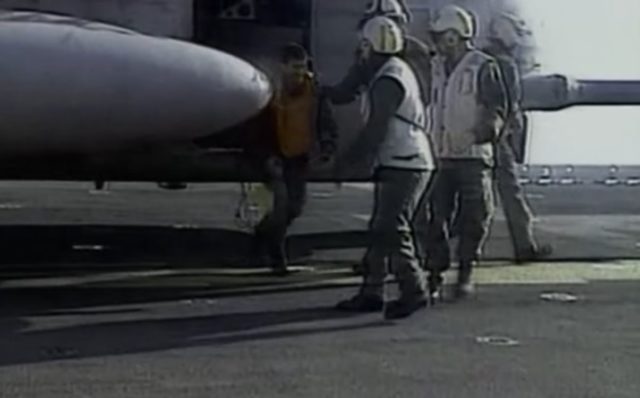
(136, 292)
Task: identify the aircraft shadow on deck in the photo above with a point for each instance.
(140, 336)
(73, 246)
(122, 336)
(69, 245)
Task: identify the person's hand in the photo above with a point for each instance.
(487, 132)
(516, 122)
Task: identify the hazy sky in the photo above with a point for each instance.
(597, 39)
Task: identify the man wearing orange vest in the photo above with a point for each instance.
(297, 115)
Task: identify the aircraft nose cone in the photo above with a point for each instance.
(261, 89)
(224, 91)
(86, 88)
(249, 91)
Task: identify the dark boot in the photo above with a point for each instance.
(464, 287)
(434, 286)
(358, 269)
(362, 302)
(404, 307)
(258, 251)
(278, 259)
(535, 253)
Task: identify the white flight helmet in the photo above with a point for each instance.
(452, 17)
(508, 29)
(388, 8)
(384, 35)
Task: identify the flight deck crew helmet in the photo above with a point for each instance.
(392, 9)
(454, 18)
(507, 29)
(384, 35)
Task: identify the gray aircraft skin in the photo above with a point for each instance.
(72, 86)
(155, 132)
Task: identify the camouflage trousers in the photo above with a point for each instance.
(465, 183)
(398, 196)
(516, 209)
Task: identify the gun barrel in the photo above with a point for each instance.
(608, 92)
(557, 92)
